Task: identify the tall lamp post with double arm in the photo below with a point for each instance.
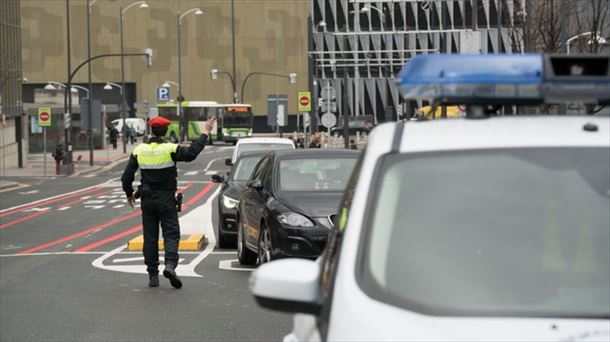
(122, 11)
(179, 17)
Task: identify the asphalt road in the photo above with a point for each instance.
(66, 274)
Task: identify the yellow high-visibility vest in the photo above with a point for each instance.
(155, 156)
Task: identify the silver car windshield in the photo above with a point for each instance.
(315, 174)
(522, 232)
(262, 147)
(244, 168)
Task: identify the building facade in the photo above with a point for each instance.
(269, 36)
(11, 124)
(359, 46)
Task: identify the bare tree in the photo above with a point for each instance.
(592, 16)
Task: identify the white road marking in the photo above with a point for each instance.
(85, 197)
(63, 208)
(36, 209)
(95, 202)
(50, 198)
(95, 207)
(191, 173)
(140, 258)
(197, 221)
(118, 206)
(228, 265)
(210, 164)
(28, 192)
(119, 200)
(211, 172)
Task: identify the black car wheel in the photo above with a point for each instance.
(265, 248)
(244, 255)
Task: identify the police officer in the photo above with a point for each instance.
(157, 162)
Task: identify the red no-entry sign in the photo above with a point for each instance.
(44, 116)
(304, 101)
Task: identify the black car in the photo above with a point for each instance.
(286, 208)
(229, 196)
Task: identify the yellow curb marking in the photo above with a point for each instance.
(191, 242)
(16, 187)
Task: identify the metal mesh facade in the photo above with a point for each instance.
(360, 45)
(10, 57)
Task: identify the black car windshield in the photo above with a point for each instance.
(522, 232)
(244, 168)
(315, 174)
(262, 147)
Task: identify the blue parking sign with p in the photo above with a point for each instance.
(162, 94)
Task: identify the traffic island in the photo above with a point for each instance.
(191, 242)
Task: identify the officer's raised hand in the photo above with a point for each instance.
(209, 125)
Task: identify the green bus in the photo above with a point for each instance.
(196, 112)
(234, 120)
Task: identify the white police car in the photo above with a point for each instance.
(466, 229)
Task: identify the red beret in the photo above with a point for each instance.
(159, 122)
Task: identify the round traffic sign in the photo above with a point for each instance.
(304, 101)
(44, 116)
(329, 120)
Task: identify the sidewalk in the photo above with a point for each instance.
(101, 158)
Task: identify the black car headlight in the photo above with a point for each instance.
(295, 220)
(229, 203)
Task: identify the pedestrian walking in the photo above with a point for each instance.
(157, 161)
(113, 133)
(131, 133)
(58, 155)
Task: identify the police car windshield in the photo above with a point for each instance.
(519, 232)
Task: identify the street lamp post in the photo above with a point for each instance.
(74, 89)
(597, 35)
(196, 11)
(90, 128)
(142, 5)
(292, 78)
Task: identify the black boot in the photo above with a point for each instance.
(153, 280)
(170, 273)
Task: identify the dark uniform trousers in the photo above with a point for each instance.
(160, 207)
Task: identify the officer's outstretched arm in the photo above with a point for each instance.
(129, 174)
(189, 153)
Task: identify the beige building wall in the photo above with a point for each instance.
(271, 36)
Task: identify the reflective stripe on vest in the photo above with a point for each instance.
(155, 156)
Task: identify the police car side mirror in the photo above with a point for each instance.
(218, 179)
(289, 285)
(228, 162)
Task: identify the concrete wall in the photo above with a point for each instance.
(271, 36)
(8, 146)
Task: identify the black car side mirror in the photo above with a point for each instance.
(228, 162)
(255, 184)
(218, 179)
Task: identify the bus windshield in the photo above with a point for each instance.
(237, 116)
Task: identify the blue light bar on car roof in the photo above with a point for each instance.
(465, 79)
